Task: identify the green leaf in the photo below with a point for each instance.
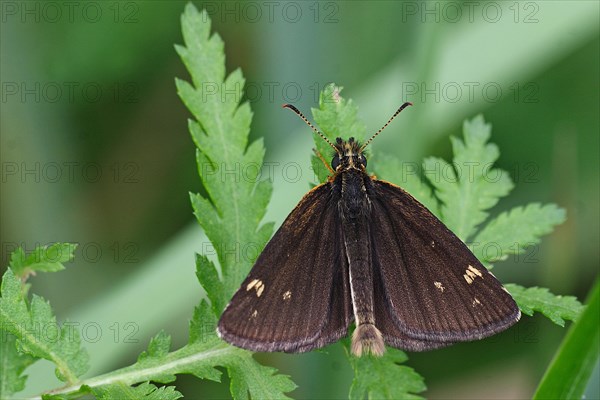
(336, 117)
(228, 167)
(17, 353)
(556, 308)
(469, 186)
(250, 380)
(37, 331)
(43, 258)
(17, 261)
(570, 370)
(208, 277)
(12, 365)
(384, 377)
(391, 169)
(144, 391)
(513, 231)
(158, 349)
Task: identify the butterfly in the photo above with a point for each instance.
(361, 250)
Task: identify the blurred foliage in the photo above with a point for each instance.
(135, 215)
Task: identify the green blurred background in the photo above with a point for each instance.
(95, 150)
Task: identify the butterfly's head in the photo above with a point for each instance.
(349, 155)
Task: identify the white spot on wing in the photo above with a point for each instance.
(439, 286)
(252, 284)
(254, 314)
(256, 284)
(287, 295)
(476, 301)
(475, 271)
(471, 273)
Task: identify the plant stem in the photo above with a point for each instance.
(134, 374)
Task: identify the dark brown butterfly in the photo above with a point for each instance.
(360, 249)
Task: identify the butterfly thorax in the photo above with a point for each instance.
(354, 203)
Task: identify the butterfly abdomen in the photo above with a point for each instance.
(367, 339)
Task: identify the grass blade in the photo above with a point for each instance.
(572, 366)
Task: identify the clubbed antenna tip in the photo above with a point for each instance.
(402, 107)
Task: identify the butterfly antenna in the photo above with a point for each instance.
(294, 109)
(402, 107)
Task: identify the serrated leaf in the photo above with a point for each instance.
(37, 331)
(384, 377)
(145, 391)
(17, 261)
(469, 186)
(335, 117)
(556, 308)
(251, 380)
(202, 324)
(208, 277)
(513, 231)
(12, 365)
(158, 347)
(43, 258)
(403, 175)
(236, 203)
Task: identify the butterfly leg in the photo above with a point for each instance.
(320, 157)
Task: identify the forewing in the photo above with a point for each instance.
(296, 297)
(435, 288)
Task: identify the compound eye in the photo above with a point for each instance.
(363, 160)
(335, 162)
